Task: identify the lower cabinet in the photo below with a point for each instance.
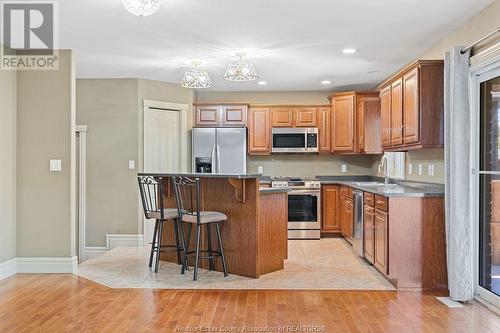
(369, 232)
(346, 215)
(381, 241)
(330, 200)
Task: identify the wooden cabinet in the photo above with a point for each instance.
(215, 115)
(330, 200)
(282, 117)
(305, 116)
(324, 129)
(412, 109)
(259, 131)
(343, 123)
(369, 232)
(381, 241)
(346, 213)
(355, 122)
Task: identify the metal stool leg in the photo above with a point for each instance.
(221, 249)
(160, 232)
(197, 259)
(153, 245)
(178, 247)
(209, 238)
(184, 248)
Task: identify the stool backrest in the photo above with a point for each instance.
(187, 196)
(151, 195)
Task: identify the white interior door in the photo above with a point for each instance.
(162, 147)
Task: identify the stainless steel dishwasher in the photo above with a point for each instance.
(357, 238)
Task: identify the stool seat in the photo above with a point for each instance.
(168, 214)
(205, 217)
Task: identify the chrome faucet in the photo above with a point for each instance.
(383, 165)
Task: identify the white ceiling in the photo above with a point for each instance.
(294, 44)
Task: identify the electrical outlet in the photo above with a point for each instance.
(343, 167)
(260, 170)
(430, 169)
(55, 165)
(131, 165)
(420, 169)
(410, 169)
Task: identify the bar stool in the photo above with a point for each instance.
(184, 188)
(152, 202)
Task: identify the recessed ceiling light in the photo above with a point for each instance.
(326, 82)
(349, 51)
(262, 83)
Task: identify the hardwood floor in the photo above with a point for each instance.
(68, 303)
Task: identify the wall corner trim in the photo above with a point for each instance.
(8, 268)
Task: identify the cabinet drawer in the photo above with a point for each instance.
(344, 190)
(381, 203)
(369, 199)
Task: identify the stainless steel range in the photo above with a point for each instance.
(304, 207)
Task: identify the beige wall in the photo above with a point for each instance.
(426, 157)
(8, 130)
(112, 109)
(478, 26)
(273, 97)
(45, 125)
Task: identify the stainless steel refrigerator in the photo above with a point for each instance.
(226, 148)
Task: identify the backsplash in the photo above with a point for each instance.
(310, 165)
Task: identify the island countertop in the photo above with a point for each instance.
(203, 175)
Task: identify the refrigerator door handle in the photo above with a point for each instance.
(212, 156)
(218, 158)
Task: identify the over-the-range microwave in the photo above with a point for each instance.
(295, 140)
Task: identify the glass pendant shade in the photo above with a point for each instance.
(240, 71)
(195, 78)
(142, 7)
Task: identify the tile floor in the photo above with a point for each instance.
(328, 264)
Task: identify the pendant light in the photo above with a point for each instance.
(241, 70)
(196, 78)
(142, 7)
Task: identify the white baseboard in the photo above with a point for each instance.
(94, 251)
(8, 268)
(47, 265)
(119, 240)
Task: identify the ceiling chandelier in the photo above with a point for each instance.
(142, 7)
(195, 78)
(241, 70)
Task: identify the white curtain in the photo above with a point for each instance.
(459, 243)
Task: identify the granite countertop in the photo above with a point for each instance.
(204, 175)
(397, 188)
(275, 189)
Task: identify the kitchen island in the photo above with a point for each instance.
(255, 234)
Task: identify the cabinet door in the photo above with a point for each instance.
(368, 233)
(324, 129)
(411, 107)
(350, 219)
(259, 131)
(234, 115)
(360, 126)
(385, 116)
(381, 241)
(282, 117)
(397, 112)
(330, 206)
(372, 131)
(343, 215)
(305, 117)
(207, 115)
(343, 123)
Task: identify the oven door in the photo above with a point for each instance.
(304, 207)
(289, 140)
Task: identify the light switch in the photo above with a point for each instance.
(430, 170)
(260, 170)
(55, 165)
(420, 169)
(410, 169)
(131, 165)
(343, 167)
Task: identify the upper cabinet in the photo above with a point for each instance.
(259, 131)
(324, 129)
(355, 122)
(305, 116)
(282, 116)
(412, 107)
(215, 115)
